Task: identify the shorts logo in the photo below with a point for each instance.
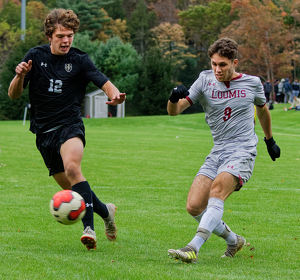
(68, 67)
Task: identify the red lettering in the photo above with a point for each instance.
(213, 95)
(232, 94)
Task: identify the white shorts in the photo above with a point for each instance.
(232, 158)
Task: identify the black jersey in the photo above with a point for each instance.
(57, 85)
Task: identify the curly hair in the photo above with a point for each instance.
(225, 47)
(67, 18)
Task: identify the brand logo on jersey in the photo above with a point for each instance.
(44, 64)
(228, 94)
(68, 67)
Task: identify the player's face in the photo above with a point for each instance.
(61, 40)
(223, 67)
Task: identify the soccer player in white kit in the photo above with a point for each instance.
(228, 100)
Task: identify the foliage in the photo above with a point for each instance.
(36, 12)
(13, 109)
(265, 45)
(115, 9)
(139, 25)
(117, 60)
(8, 39)
(154, 84)
(113, 28)
(121, 63)
(92, 17)
(171, 41)
(203, 23)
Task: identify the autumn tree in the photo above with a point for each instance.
(113, 28)
(291, 18)
(92, 17)
(171, 41)
(139, 25)
(265, 44)
(154, 84)
(203, 23)
(13, 50)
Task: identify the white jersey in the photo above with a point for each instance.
(229, 106)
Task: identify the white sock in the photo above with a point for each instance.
(210, 219)
(197, 242)
(213, 215)
(226, 233)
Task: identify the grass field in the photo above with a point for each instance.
(145, 165)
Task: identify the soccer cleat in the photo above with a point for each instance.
(109, 222)
(186, 254)
(233, 249)
(88, 238)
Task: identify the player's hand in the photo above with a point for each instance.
(273, 149)
(118, 99)
(23, 68)
(178, 93)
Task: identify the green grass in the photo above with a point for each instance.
(145, 165)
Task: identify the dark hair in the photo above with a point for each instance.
(225, 47)
(67, 18)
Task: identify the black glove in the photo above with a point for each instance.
(178, 93)
(273, 149)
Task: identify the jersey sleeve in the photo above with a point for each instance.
(260, 98)
(196, 89)
(92, 73)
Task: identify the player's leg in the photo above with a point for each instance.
(71, 152)
(223, 185)
(197, 206)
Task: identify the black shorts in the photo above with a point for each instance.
(49, 144)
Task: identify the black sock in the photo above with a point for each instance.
(99, 207)
(84, 189)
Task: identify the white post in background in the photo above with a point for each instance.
(25, 113)
(121, 110)
(23, 20)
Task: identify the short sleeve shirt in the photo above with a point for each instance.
(57, 85)
(229, 106)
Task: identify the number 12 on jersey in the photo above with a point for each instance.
(55, 86)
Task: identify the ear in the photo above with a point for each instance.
(235, 62)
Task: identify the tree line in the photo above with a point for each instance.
(148, 47)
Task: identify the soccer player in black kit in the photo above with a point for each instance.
(58, 75)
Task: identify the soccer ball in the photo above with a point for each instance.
(67, 207)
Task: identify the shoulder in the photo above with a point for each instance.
(78, 55)
(39, 50)
(205, 77)
(206, 74)
(254, 80)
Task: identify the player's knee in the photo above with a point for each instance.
(218, 192)
(72, 170)
(194, 209)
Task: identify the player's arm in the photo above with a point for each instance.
(177, 101)
(264, 117)
(113, 94)
(15, 89)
